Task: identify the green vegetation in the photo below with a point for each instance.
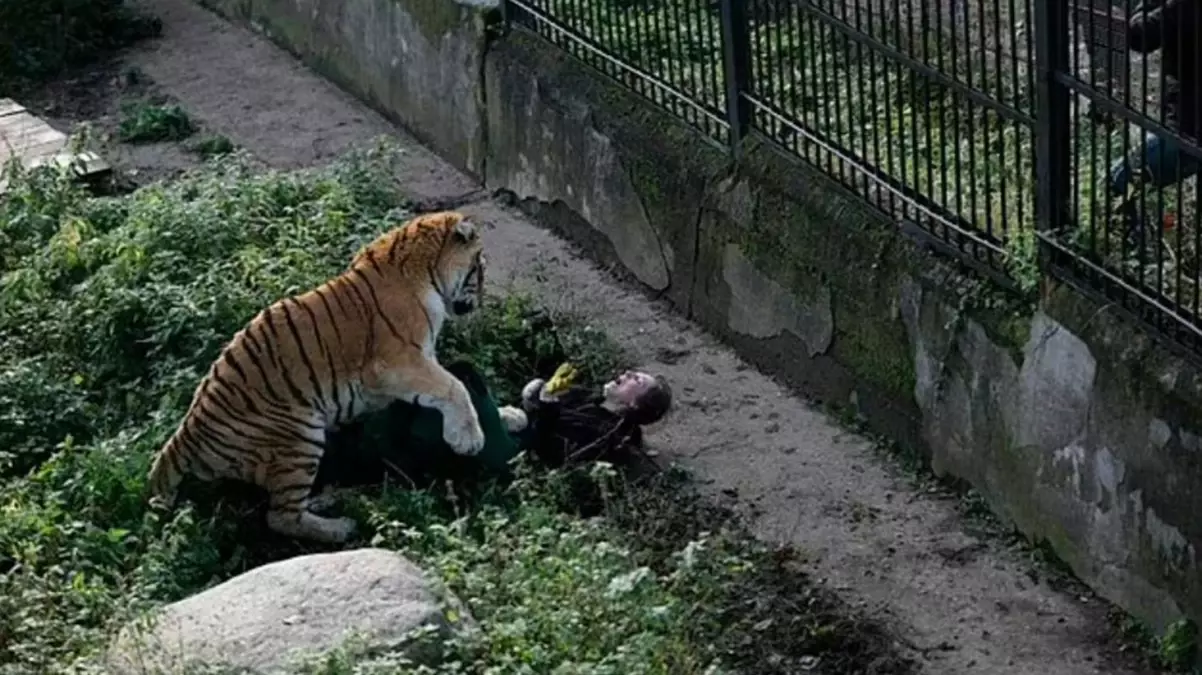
(212, 145)
(145, 122)
(960, 154)
(41, 38)
(1175, 652)
(111, 308)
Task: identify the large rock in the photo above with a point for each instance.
(266, 619)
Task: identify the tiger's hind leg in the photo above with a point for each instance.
(326, 499)
(290, 506)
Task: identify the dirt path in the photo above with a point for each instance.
(966, 606)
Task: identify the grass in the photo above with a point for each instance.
(43, 38)
(146, 122)
(111, 308)
(1174, 652)
(211, 145)
(961, 155)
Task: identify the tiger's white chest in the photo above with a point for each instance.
(436, 309)
(364, 401)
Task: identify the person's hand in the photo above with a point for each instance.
(533, 389)
(514, 419)
(560, 381)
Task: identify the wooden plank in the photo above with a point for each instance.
(32, 136)
(88, 165)
(31, 145)
(37, 143)
(35, 152)
(14, 125)
(85, 164)
(16, 141)
(10, 107)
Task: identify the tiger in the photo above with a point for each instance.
(310, 363)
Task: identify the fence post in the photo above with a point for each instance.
(1052, 128)
(736, 61)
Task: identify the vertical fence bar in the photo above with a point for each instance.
(1052, 127)
(504, 22)
(736, 61)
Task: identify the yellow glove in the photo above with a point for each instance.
(561, 380)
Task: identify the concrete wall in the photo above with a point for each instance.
(1070, 420)
(416, 61)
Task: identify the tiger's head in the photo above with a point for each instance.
(441, 250)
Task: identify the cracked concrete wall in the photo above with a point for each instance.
(590, 166)
(1076, 443)
(1071, 422)
(810, 284)
(416, 61)
(545, 148)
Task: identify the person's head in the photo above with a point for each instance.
(641, 397)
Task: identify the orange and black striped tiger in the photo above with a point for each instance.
(317, 360)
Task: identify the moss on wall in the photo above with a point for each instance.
(877, 354)
(811, 238)
(438, 19)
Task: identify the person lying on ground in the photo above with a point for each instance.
(564, 423)
(556, 422)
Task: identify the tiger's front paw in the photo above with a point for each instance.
(464, 436)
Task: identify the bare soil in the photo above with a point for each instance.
(961, 601)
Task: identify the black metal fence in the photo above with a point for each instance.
(998, 127)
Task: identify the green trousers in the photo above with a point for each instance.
(408, 437)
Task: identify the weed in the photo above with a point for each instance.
(42, 39)
(1176, 651)
(212, 145)
(144, 122)
(111, 308)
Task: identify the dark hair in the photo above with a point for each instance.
(653, 404)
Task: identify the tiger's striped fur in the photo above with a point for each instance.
(317, 360)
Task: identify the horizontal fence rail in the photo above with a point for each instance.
(670, 52)
(887, 98)
(1001, 128)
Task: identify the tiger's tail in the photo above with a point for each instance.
(165, 475)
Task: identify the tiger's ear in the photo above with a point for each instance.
(465, 231)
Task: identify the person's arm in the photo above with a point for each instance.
(534, 398)
(531, 395)
(1145, 31)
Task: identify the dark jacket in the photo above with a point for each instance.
(1175, 28)
(578, 428)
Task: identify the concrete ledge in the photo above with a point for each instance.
(416, 61)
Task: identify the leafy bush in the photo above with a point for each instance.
(110, 310)
(143, 122)
(212, 145)
(599, 573)
(43, 37)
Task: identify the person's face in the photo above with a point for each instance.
(627, 389)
